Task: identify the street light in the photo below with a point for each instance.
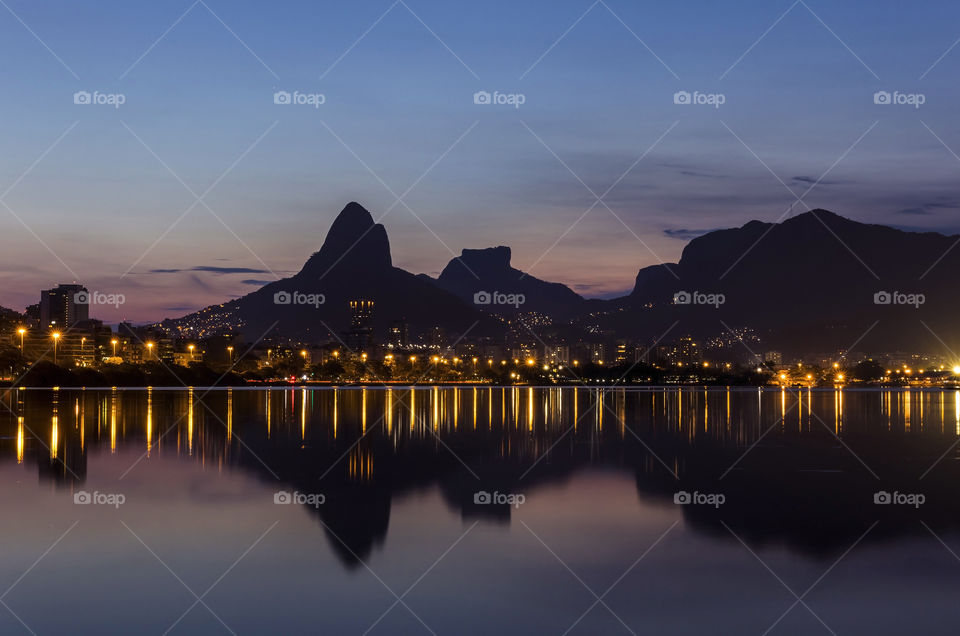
(114, 343)
(191, 347)
(230, 351)
(21, 331)
(56, 339)
(149, 350)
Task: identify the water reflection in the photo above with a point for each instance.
(797, 466)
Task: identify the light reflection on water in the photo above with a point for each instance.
(400, 468)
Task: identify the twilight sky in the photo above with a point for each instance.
(109, 196)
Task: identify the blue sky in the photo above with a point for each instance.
(97, 192)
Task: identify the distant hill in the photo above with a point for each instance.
(804, 284)
(353, 263)
(485, 275)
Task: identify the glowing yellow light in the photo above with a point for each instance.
(531, 362)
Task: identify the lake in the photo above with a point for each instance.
(479, 510)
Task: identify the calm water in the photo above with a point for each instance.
(390, 531)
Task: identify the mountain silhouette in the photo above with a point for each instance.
(806, 283)
(354, 263)
(816, 282)
(488, 270)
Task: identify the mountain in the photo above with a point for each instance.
(486, 278)
(808, 283)
(353, 263)
(816, 282)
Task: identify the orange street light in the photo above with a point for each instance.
(114, 343)
(21, 331)
(56, 339)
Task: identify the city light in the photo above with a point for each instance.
(56, 339)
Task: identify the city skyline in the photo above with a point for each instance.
(104, 185)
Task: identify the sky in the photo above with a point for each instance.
(199, 188)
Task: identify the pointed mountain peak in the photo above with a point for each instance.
(354, 241)
(354, 219)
